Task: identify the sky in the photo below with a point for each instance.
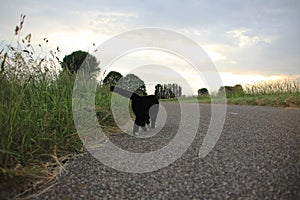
(248, 41)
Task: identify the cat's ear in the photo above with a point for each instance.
(112, 88)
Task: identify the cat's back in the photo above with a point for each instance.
(151, 99)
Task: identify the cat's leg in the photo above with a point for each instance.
(135, 128)
(148, 122)
(143, 126)
(153, 114)
(139, 122)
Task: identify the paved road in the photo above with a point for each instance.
(256, 157)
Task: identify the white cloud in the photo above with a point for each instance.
(215, 52)
(245, 37)
(112, 22)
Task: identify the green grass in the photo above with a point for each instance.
(37, 126)
(36, 119)
(277, 100)
(279, 93)
(291, 100)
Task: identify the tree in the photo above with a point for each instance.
(179, 91)
(230, 91)
(158, 91)
(203, 91)
(79, 59)
(133, 83)
(112, 78)
(167, 91)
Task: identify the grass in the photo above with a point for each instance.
(36, 123)
(279, 93)
(37, 128)
(278, 100)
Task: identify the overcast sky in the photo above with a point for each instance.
(245, 39)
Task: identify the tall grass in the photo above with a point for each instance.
(287, 85)
(35, 115)
(281, 92)
(36, 121)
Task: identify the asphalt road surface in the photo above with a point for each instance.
(256, 157)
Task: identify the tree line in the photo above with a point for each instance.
(131, 82)
(77, 59)
(167, 91)
(229, 90)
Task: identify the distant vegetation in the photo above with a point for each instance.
(78, 59)
(230, 91)
(130, 82)
(282, 93)
(168, 91)
(203, 92)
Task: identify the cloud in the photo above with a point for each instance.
(108, 22)
(244, 37)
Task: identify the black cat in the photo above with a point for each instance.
(141, 108)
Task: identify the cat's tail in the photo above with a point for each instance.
(124, 93)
